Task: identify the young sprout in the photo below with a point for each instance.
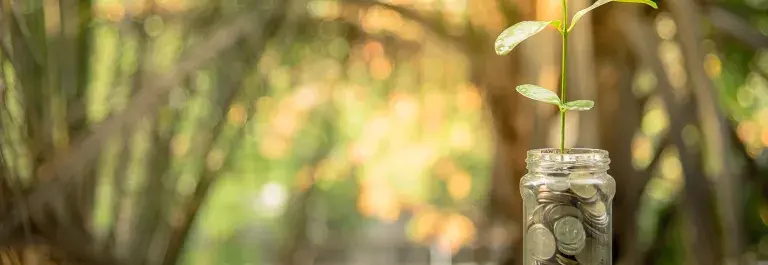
(521, 31)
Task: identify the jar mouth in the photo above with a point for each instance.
(543, 158)
(546, 153)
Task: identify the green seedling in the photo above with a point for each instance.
(519, 32)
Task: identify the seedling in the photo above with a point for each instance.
(521, 31)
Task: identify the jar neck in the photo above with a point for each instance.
(573, 160)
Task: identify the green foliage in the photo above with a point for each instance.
(579, 105)
(514, 35)
(229, 193)
(547, 96)
(597, 4)
(539, 94)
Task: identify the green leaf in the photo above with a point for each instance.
(579, 105)
(539, 94)
(557, 24)
(599, 3)
(514, 35)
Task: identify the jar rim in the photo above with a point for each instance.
(571, 154)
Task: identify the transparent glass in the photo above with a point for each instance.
(567, 202)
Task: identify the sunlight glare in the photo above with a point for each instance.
(273, 197)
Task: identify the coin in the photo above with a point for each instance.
(593, 252)
(597, 209)
(579, 187)
(608, 187)
(540, 242)
(558, 184)
(570, 249)
(547, 212)
(530, 201)
(570, 235)
(555, 197)
(569, 230)
(546, 262)
(589, 216)
(538, 213)
(537, 216)
(565, 260)
(561, 211)
(528, 194)
(566, 195)
(595, 229)
(598, 233)
(593, 199)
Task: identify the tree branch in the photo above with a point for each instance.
(710, 114)
(191, 210)
(698, 202)
(71, 164)
(146, 102)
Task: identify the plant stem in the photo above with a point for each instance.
(564, 75)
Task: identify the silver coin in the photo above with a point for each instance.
(596, 233)
(555, 197)
(566, 196)
(537, 216)
(597, 225)
(558, 184)
(593, 199)
(589, 215)
(547, 212)
(564, 260)
(540, 242)
(608, 186)
(530, 201)
(596, 209)
(579, 186)
(563, 210)
(593, 252)
(546, 262)
(528, 194)
(570, 249)
(569, 230)
(596, 230)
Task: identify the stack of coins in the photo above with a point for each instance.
(567, 222)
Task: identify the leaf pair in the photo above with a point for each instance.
(514, 35)
(545, 95)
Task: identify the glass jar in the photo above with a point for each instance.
(567, 205)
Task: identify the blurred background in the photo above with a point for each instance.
(302, 132)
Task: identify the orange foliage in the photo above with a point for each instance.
(457, 230)
(380, 68)
(444, 167)
(424, 225)
(747, 132)
(378, 199)
(236, 115)
(468, 99)
(459, 185)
